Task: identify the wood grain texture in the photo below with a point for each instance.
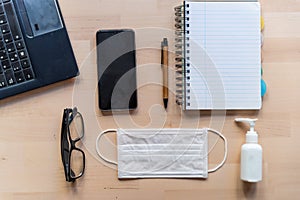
(30, 123)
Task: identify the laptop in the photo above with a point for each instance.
(35, 48)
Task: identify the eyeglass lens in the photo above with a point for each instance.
(76, 127)
(76, 163)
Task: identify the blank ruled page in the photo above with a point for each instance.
(223, 55)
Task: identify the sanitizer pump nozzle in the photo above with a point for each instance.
(251, 154)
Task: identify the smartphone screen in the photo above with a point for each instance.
(116, 62)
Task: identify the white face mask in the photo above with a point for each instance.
(162, 153)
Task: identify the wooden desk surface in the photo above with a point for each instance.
(30, 123)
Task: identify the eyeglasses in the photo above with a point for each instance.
(72, 132)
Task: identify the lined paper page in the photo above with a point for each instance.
(223, 52)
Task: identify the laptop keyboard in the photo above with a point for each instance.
(15, 65)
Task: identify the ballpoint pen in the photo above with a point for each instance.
(164, 64)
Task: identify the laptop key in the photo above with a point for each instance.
(13, 22)
(19, 44)
(1, 9)
(25, 63)
(16, 66)
(10, 47)
(13, 57)
(22, 54)
(2, 81)
(10, 77)
(2, 19)
(3, 55)
(7, 38)
(28, 74)
(2, 46)
(5, 64)
(5, 29)
(19, 77)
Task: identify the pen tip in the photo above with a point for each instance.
(166, 103)
(164, 42)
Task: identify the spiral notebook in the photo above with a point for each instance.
(218, 57)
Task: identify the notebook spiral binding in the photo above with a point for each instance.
(181, 51)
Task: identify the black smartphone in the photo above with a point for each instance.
(116, 62)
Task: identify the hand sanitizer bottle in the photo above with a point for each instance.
(251, 154)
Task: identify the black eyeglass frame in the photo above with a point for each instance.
(68, 145)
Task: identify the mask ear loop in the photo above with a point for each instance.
(225, 150)
(97, 146)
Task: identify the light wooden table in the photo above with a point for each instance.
(30, 163)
